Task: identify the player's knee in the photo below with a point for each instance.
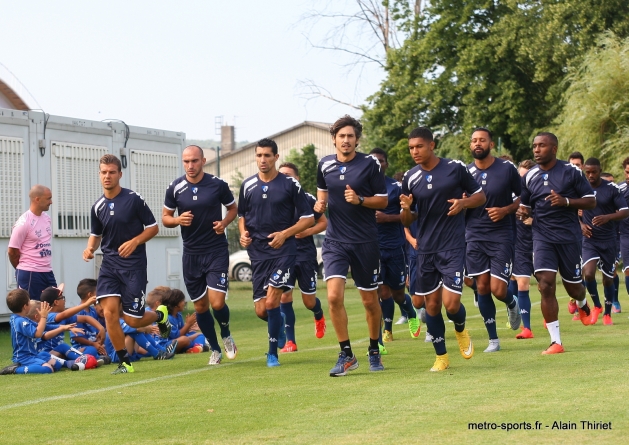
(202, 305)
(261, 312)
(545, 287)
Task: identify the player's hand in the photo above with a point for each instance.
(555, 199)
(100, 337)
(580, 213)
(153, 329)
(351, 196)
(278, 239)
(191, 319)
(101, 349)
(600, 220)
(218, 227)
(185, 219)
(127, 248)
(303, 234)
(528, 221)
(523, 213)
(245, 241)
(43, 310)
(380, 217)
(77, 331)
(90, 301)
(194, 327)
(406, 201)
(320, 206)
(496, 213)
(586, 230)
(456, 207)
(88, 254)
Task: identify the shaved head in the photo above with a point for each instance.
(37, 191)
(195, 147)
(41, 199)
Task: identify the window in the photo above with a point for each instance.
(11, 190)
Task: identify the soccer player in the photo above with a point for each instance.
(352, 186)
(267, 204)
(576, 159)
(599, 230)
(305, 271)
(391, 240)
(552, 192)
(121, 223)
(624, 227)
(199, 198)
(616, 304)
(30, 250)
(489, 231)
(436, 186)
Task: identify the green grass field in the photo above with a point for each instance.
(243, 402)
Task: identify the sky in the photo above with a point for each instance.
(178, 65)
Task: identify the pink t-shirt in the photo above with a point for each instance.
(32, 235)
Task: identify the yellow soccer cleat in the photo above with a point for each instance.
(465, 344)
(387, 336)
(441, 363)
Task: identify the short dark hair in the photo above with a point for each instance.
(268, 143)
(50, 294)
(111, 159)
(486, 130)
(347, 121)
(606, 175)
(290, 165)
(506, 158)
(17, 299)
(86, 285)
(593, 162)
(527, 164)
(625, 162)
(199, 148)
(379, 151)
(577, 155)
(421, 132)
(552, 138)
(172, 299)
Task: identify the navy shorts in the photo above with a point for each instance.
(440, 269)
(274, 272)
(203, 272)
(522, 264)
(489, 256)
(392, 268)
(34, 282)
(363, 258)
(412, 273)
(128, 285)
(624, 252)
(562, 258)
(305, 273)
(604, 252)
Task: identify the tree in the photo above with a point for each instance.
(232, 232)
(307, 162)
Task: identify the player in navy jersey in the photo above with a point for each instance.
(352, 187)
(199, 198)
(615, 305)
(600, 246)
(623, 227)
(552, 192)
(268, 204)
(305, 271)
(121, 224)
(436, 187)
(391, 240)
(489, 233)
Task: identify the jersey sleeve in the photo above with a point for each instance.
(581, 185)
(407, 191)
(304, 209)
(468, 183)
(227, 197)
(525, 195)
(321, 185)
(516, 181)
(377, 182)
(311, 202)
(242, 201)
(144, 212)
(96, 227)
(18, 235)
(619, 200)
(170, 202)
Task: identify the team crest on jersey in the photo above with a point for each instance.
(545, 176)
(457, 281)
(265, 188)
(195, 190)
(483, 176)
(111, 208)
(342, 170)
(429, 178)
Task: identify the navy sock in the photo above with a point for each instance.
(609, 298)
(289, 324)
(524, 301)
(35, 369)
(593, 291)
(346, 347)
(206, 324)
(510, 300)
(407, 307)
(402, 310)
(373, 344)
(222, 317)
(316, 310)
(275, 326)
(388, 308)
(513, 287)
(143, 342)
(616, 287)
(487, 310)
(437, 329)
(458, 319)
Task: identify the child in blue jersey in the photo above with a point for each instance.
(189, 340)
(86, 290)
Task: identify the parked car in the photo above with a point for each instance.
(240, 264)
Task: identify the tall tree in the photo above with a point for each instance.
(307, 162)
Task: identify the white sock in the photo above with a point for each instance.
(582, 302)
(553, 330)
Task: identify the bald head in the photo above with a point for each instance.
(193, 162)
(195, 148)
(38, 191)
(41, 198)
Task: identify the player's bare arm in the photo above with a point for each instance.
(171, 221)
(92, 244)
(458, 205)
(129, 247)
(220, 226)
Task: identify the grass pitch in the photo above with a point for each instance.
(243, 402)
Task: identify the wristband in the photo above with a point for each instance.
(567, 202)
(361, 200)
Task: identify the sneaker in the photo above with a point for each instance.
(428, 338)
(320, 327)
(585, 315)
(465, 344)
(77, 367)
(572, 306)
(165, 355)
(196, 349)
(414, 327)
(616, 307)
(422, 315)
(206, 346)
(607, 320)
(594, 314)
(375, 362)
(105, 358)
(515, 319)
(99, 362)
(272, 361)
(387, 336)
(230, 347)
(11, 369)
(289, 347)
(344, 364)
(123, 368)
(554, 348)
(172, 347)
(164, 326)
(402, 320)
(215, 358)
(576, 317)
(281, 341)
(494, 346)
(525, 333)
(441, 363)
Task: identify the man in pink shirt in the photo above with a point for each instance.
(30, 249)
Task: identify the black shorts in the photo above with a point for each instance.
(364, 259)
(393, 268)
(604, 252)
(203, 272)
(489, 256)
(305, 273)
(440, 269)
(523, 264)
(274, 272)
(562, 258)
(128, 285)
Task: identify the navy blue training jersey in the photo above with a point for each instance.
(119, 220)
(205, 200)
(555, 224)
(624, 224)
(500, 182)
(306, 249)
(391, 234)
(431, 190)
(609, 199)
(269, 207)
(349, 223)
(524, 237)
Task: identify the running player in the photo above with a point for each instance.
(436, 186)
(624, 226)
(353, 186)
(552, 192)
(267, 205)
(599, 238)
(121, 224)
(199, 199)
(489, 231)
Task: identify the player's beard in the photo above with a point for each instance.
(480, 156)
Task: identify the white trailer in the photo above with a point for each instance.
(63, 153)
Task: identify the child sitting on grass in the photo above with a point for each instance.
(189, 340)
(86, 290)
